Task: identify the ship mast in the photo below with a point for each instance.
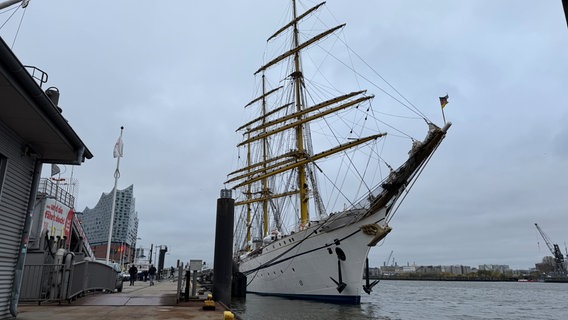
(264, 164)
(300, 156)
(249, 197)
(297, 78)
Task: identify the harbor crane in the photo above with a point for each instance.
(555, 250)
(388, 259)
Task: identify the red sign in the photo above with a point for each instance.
(57, 219)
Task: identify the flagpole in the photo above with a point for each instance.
(116, 176)
(443, 116)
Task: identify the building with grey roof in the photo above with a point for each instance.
(96, 224)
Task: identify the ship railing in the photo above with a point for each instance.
(365, 201)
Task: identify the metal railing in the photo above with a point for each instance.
(53, 189)
(58, 282)
(93, 276)
(41, 282)
(37, 74)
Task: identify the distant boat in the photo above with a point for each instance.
(304, 231)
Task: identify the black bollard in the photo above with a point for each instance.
(223, 257)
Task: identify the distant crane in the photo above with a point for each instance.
(388, 259)
(555, 250)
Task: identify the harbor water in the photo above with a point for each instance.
(424, 300)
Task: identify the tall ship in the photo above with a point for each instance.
(316, 182)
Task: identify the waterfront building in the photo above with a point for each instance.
(96, 223)
(456, 269)
(54, 222)
(374, 272)
(33, 132)
(409, 269)
(502, 268)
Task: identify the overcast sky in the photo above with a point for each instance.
(176, 75)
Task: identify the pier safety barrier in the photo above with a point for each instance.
(61, 282)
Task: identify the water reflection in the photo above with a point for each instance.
(274, 308)
(396, 300)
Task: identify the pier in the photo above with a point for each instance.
(139, 302)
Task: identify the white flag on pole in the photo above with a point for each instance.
(118, 146)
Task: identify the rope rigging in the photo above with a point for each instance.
(360, 178)
(15, 9)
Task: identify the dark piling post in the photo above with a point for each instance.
(161, 258)
(223, 257)
(187, 279)
(239, 286)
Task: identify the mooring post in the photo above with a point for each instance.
(187, 278)
(223, 257)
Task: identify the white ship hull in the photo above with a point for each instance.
(305, 264)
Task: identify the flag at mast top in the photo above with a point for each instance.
(444, 101)
(118, 146)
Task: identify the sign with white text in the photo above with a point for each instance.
(57, 219)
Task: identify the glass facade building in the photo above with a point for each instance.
(96, 224)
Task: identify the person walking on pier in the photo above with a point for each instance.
(152, 274)
(133, 271)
